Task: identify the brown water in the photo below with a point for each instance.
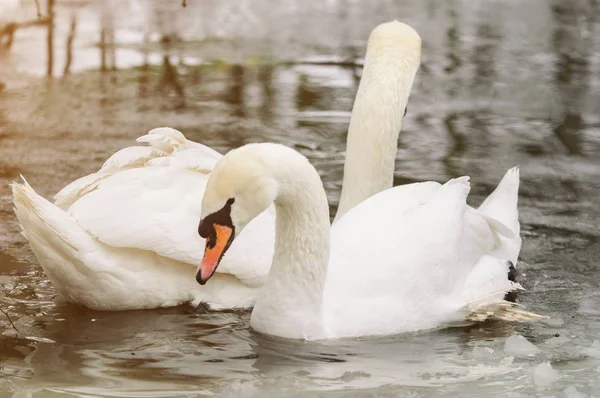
(502, 83)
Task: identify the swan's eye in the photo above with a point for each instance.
(405, 110)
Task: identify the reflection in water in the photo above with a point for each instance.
(571, 72)
(484, 58)
(459, 143)
(453, 43)
(307, 96)
(170, 79)
(7, 35)
(235, 94)
(569, 131)
(107, 39)
(144, 75)
(479, 106)
(265, 77)
(50, 38)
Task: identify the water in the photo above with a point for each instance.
(502, 83)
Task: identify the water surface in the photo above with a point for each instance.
(503, 82)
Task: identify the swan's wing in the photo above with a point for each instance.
(163, 143)
(131, 157)
(195, 159)
(501, 205)
(158, 208)
(422, 236)
(404, 238)
(168, 140)
(150, 208)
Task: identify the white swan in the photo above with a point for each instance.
(410, 258)
(126, 236)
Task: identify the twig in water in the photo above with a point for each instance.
(10, 320)
(37, 7)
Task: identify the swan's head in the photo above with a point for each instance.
(396, 34)
(398, 45)
(241, 186)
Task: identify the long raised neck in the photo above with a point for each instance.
(290, 302)
(376, 121)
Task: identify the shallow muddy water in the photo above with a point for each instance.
(503, 82)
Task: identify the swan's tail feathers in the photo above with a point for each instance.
(502, 310)
(485, 291)
(457, 188)
(501, 205)
(33, 211)
(55, 238)
(500, 209)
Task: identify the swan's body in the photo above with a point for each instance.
(410, 258)
(126, 236)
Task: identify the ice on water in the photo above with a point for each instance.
(544, 375)
(518, 346)
(572, 392)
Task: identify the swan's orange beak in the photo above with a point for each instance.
(216, 246)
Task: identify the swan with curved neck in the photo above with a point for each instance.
(401, 261)
(391, 63)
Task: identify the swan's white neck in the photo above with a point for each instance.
(376, 121)
(290, 302)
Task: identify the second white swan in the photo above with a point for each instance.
(409, 258)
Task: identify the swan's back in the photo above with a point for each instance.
(389, 238)
(401, 259)
(126, 236)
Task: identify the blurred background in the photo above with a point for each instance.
(502, 82)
